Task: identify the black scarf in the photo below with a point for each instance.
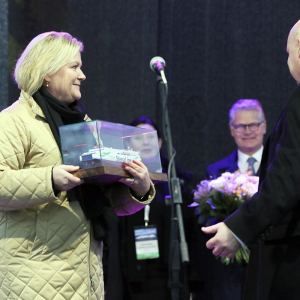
(95, 205)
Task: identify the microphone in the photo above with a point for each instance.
(157, 64)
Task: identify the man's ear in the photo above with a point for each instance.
(298, 47)
(265, 126)
(231, 130)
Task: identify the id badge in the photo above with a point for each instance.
(146, 244)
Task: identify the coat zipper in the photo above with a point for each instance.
(89, 262)
(92, 280)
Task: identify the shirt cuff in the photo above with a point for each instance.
(240, 241)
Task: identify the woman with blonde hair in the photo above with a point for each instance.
(51, 222)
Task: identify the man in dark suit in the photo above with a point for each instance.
(269, 224)
(247, 126)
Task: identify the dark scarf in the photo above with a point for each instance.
(96, 207)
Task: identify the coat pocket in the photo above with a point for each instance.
(38, 240)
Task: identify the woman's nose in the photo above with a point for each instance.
(81, 76)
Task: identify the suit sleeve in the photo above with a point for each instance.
(210, 173)
(279, 192)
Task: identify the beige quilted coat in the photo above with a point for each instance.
(46, 247)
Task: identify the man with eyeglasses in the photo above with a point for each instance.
(247, 126)
(269, 223)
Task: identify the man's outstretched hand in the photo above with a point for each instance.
(224, 243)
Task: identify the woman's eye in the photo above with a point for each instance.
(74, 67)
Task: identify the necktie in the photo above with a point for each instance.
(251, 170)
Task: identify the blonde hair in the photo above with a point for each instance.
(44, 55)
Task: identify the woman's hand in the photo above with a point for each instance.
(63, 180)
(140, 181)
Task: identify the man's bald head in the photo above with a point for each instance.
(293, 49)
(295, 31)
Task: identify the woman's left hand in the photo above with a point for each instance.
(140, 180)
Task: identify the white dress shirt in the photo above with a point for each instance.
(242, 160)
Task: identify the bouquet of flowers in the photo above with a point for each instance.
(217, 199)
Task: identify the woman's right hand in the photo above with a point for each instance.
(63, 179)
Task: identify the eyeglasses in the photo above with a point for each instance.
(242, 127)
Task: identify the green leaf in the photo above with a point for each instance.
(214, 212)
(241, 255)
(208, 223)
(202, 218)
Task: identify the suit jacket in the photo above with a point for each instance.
(228, 164)
(269, 223)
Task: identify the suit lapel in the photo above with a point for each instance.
(233, 162)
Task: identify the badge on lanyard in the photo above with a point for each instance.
(146, 244)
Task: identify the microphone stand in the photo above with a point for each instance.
(177, 227)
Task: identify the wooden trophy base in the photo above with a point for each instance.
(106, 175)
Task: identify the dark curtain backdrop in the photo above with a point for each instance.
(216, 53)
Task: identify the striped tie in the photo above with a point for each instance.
(251, 161)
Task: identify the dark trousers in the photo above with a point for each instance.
(153, 289)
(274, 271)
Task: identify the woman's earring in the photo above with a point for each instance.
(47, 84)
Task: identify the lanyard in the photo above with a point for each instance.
(146, 214)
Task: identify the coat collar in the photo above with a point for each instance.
(28, 101)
